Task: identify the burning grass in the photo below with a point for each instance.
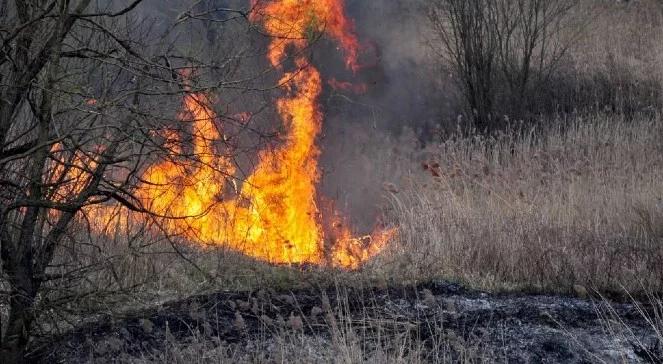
(275, 215)
(548, 211)
(558, 210)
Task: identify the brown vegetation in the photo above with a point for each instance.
(545, 211)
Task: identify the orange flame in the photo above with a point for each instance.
(297, 22)
(274, 216)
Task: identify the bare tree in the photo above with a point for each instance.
(500, 50)
(470, 46)
(84, 93)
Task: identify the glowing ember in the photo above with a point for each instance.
(360, 88)
(274, 217)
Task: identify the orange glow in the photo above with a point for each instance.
(68, 172)
(274, 216)
(360, 88)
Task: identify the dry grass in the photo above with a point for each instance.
(614, 63)
(571, 203)
(545, 211)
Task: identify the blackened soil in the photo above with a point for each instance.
(506, 328)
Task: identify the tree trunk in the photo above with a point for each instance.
(16, 337)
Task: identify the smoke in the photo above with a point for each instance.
(407, 98)
(404, 84)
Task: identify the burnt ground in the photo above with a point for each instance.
(502, 328)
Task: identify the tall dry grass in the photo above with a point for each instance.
(577, 205)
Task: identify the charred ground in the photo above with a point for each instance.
(439, 321)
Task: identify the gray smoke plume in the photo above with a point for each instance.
(404, 81)
(407, 98)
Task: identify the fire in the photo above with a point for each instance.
(297, 22)
(274, 216)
